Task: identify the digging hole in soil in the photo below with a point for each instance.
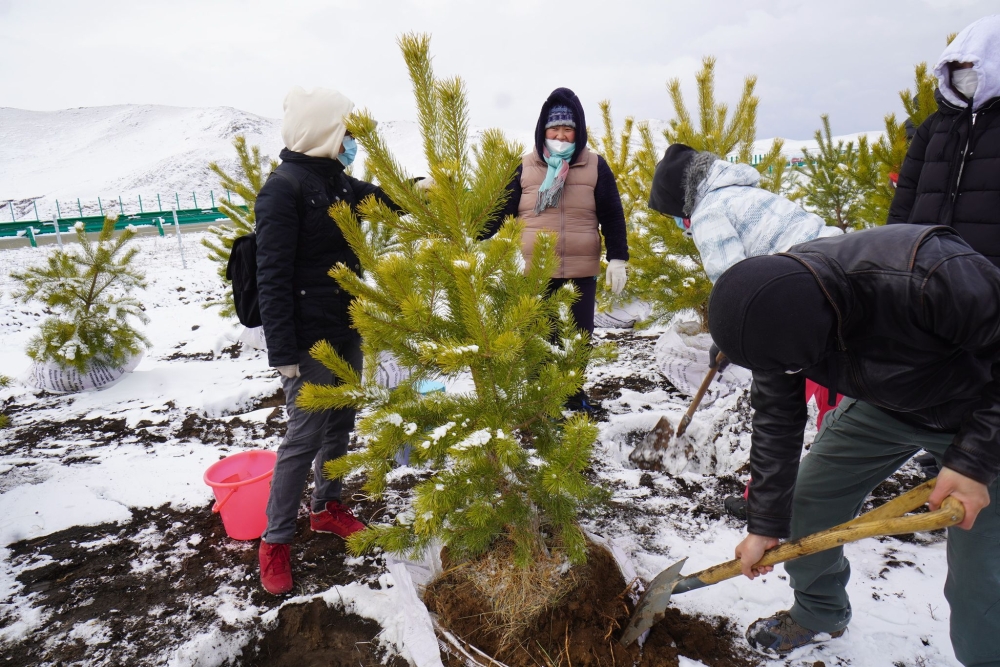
(314, 634)
(583, 627)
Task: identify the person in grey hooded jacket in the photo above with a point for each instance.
(721, 205)
(951, 175)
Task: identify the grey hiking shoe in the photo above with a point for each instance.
(779, 635)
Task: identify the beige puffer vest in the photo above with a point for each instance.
(574, 220)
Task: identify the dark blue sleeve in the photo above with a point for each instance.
(363, 188)
(277, 230)
(509, 208)
(610, 215)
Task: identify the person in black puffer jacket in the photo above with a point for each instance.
(297, 245)
(951, 174)
(903, 320)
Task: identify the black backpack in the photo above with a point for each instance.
(242, 268)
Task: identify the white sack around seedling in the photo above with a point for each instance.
(49, 376)
(683, 359)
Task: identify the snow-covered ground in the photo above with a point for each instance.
(106, 528)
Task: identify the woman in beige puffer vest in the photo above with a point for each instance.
(565, 188)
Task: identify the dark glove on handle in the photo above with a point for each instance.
(713, 360)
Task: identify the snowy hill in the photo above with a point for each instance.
(117, 151)
(131, 150)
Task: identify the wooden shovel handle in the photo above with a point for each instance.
(702, 390)
(881, 521)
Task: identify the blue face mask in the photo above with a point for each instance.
(684, 224)
(350, 151)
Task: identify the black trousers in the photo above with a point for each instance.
(583, 309)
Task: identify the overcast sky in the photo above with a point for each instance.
(847, 58)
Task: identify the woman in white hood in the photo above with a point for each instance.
(951, 175)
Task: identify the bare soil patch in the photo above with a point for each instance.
(316, 635)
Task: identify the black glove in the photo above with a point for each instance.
(713, 360)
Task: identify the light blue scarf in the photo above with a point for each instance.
(555, 177)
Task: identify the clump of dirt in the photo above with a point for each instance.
(275, 400)
(317, 635)
(583, 627)
(713, 642)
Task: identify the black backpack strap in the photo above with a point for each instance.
(294, 180)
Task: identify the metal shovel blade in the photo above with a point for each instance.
(653, 603)
(655, 442)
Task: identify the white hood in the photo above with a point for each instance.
(723, 174)
(314, 121)
(978, 44)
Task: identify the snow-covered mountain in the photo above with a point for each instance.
(131, 150)
(115, 151)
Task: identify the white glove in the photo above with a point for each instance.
(424, 184)
(615, 276)
(289, 371)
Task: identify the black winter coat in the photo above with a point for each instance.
(918, 336)
(951, 175)
(297, 245)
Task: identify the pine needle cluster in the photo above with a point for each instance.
(91, 289)
(830, 185)
(719, 133)
(246, 182)
(503, 462)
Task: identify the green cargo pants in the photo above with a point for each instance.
(858, 447)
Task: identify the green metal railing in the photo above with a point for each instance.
(159, 219)
(143, 213)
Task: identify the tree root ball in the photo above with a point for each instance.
(581, 625)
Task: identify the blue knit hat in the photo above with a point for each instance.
(560, 114)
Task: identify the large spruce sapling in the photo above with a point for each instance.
(90, 288)
(505, 466)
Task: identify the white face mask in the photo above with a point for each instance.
(965, 81)
(556, 146)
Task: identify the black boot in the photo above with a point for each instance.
(928, 465)
(736, 506)
(580, 402)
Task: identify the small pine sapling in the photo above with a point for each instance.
(245, 182)
(504, 465)
(879, 162)
(721, 134)
(664, 265)
(91, 290)
(830, 186)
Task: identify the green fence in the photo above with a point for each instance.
(94, 223)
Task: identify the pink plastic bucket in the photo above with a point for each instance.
(242, 484)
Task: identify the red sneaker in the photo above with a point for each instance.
(336, 518)
(275, 568)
